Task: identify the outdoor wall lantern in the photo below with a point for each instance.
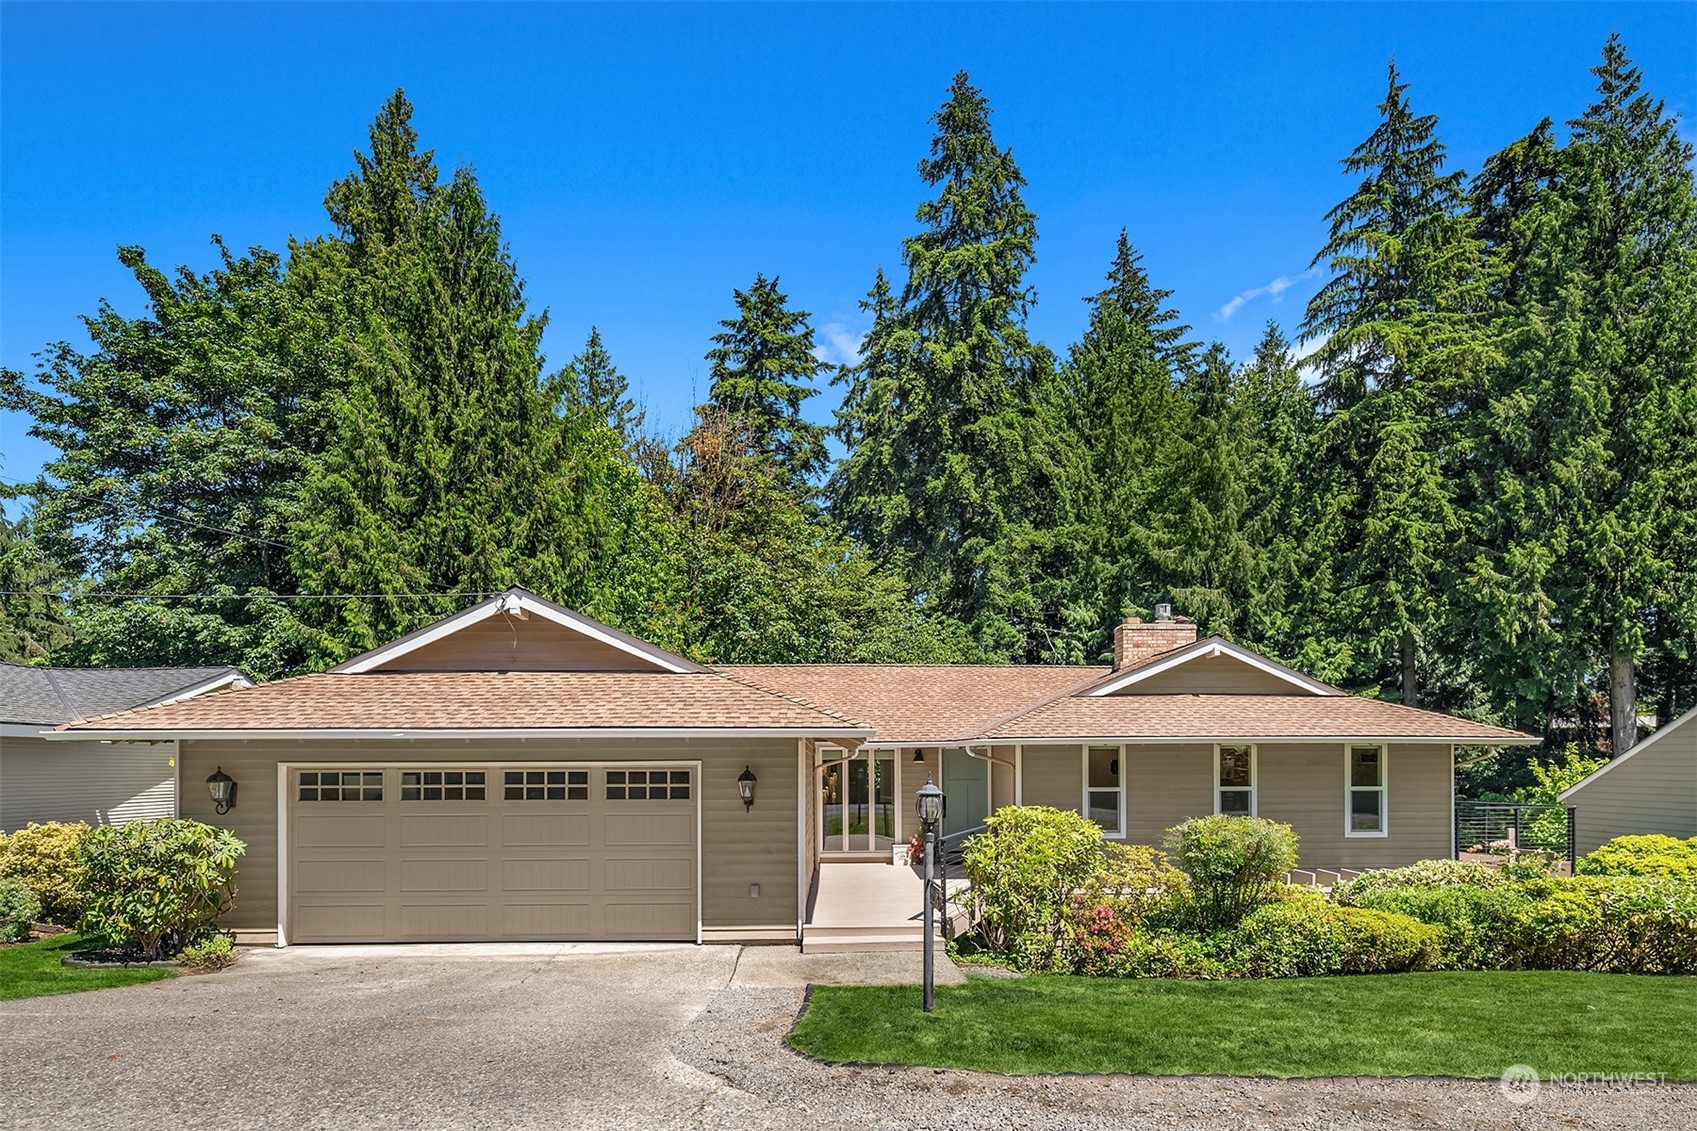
(745, 788)
(223, 789)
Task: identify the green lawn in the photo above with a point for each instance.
(1435, 1024)
(33, 970)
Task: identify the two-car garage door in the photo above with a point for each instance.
(442, 852)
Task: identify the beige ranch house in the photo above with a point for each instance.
(521, 772)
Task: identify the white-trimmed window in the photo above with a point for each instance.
(1234, 780)
(1364, 791)
(1104, 788)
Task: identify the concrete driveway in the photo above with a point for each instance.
(585, 1036)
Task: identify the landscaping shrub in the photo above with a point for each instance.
(1643, 856)
(18, 909)
(155, 887)
(1484, 926)
(1644, 924)
(1139, 883)
(1025, 870)
(1234, 864)
(1424, 873)
(213, 953)
(1106, 944)
(49, 859)
(1306, 937)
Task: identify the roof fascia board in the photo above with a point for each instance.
(1206, 648)
(1186, 739)
(231, 678)
(256, 734)
(25, 730)
(1613, 762)
(525, 602)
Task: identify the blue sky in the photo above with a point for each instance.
(646, 159)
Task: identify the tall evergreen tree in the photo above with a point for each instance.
(33, 620)
(951, 477)
(1402, 333)
(763, 372)
(596, 384)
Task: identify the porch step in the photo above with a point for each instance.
(828, 931)
(854, 944)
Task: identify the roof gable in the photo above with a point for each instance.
(1214, 666)
(1637, 748)
(517, 631)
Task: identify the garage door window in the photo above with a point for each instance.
(442, 785)
(647, 785)
(341, 785)
(546, 785)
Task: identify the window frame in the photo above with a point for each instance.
(1350, 789)
(317, 786)
(1254, 786)
(1119, 833)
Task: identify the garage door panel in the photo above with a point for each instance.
(341, 830)
(650, 829)
(563, 830)
(676, 874)
(547, 920)
(339, 921)
(648, 920)
(318, 877)
(545, 875)
(445, 875)
(436, 920)
(385, 853)
(444, 830)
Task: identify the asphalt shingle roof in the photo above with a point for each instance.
(52, 696)
(493, 700)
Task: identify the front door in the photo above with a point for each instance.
(966, 791)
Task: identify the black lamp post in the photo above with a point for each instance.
(223, 789)
(745, 788)
(929, 803)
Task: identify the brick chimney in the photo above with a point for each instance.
(1136, 643)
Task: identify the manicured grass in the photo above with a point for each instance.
(33, 970)
(1433, 1024)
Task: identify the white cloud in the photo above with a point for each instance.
(837, 344)
(1272, 290)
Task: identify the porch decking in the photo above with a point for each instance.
(866, 906)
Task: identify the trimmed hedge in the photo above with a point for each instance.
(1653, 855)
(1306, 937)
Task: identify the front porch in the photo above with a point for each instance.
(867, 906)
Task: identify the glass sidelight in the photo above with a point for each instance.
(857, 801)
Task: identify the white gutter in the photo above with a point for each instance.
(1123, 740)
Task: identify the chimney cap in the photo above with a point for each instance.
(1163, 612)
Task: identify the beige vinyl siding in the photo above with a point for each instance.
(1054, 776)
(500, 643)
(737, 848)
(1166, 784)
(1652, 791)
(1001, 777)
(1211, 675)
(102, 783)
(1303, 786)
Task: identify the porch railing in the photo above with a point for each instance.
(1499, 832)
(948, 850)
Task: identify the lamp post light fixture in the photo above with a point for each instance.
(929, 803)
(223, 789)
(745, 788)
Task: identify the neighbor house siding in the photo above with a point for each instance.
(102, 783)
(1653, 791)
(1054, 776)
(738, 848)
(499, 643)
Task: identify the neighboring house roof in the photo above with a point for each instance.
(51, 696)
(1626, 757)
(381, 704)
(1242, 717)
(910, 704)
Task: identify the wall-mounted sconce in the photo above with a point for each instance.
(223, 789)
(745, 788)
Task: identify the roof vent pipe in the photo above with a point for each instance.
(1163, 612)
